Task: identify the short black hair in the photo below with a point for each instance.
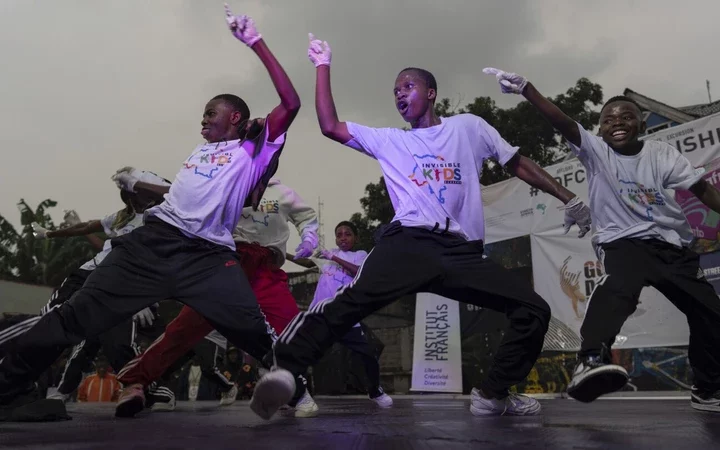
(426, 76)
(236, 103)
(348, 224)
(621, 98)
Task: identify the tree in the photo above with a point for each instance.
(39, 261)
(520, 125)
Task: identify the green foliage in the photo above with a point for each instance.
(25, 259)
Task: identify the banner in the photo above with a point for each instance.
(566, 270)
(698, 140)
(705, 223)
(710, 264)
(437, 360)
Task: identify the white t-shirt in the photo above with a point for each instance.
(631, 196)
(433, 174)
(268, 226)
(107, 221)
(207, 197)
(332, 274)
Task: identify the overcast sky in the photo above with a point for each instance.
(88, 87)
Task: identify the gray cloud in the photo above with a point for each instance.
(89, 87)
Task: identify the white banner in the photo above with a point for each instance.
(698, 140)
(437, 360)
(565, 271)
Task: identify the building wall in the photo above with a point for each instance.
(23, 298)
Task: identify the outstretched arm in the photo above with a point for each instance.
(708, 194)
(282, 116)
(534, 175)
(80, 229)
(320, 55)
(303, 262)
(511, 83)
(576, 212)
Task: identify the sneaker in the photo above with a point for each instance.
(31, 407)
(512, 405)
(57, 395)
(705, 400)
(383, 400)
(271, 392)
(229, 397)
(593, 378)
(164, 405)
(131, 401)
(306, 407)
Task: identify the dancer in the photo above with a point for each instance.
(184, 251)
(119, 343)
(338, 268)
(642, 238)
(261, 240)
(435, 242)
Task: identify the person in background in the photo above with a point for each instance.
(102, 386)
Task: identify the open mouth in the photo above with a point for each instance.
(619, 134)
(402, 106)
(205, 131)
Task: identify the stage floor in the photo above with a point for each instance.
(353, 423)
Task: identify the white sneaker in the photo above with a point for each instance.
(229, 397)
(306, 407)
(167, 406)
(383, 401)
(271, 392)
(59, 396)
(512, 405)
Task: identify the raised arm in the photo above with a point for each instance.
(282, 116)
(511, 83)
(320, 55)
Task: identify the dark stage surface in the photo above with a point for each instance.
(354, 423)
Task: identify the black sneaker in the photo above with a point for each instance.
(31, 407)
(705, 400)
(593, 378)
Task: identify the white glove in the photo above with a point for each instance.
(38, 231)
(144, 317)
(510, 83)
(325, 254)
(242, 27)
(71, 217)
(577, 213)
(126, 178)
(319, 52)
(304, 250)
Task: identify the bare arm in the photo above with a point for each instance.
(708, 194)
(350, 267)
(528, 171)
(95, 241)
(152, 189)
(304, 262)
(330, 125)
(81, 229)
(283, 115)
(559, 120)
